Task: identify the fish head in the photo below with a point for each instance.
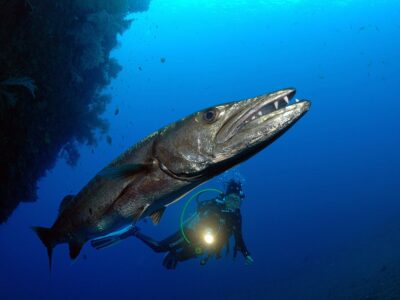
(215, 139)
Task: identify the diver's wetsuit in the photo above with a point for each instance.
(177, 247)
(230, 222)
(211, 214)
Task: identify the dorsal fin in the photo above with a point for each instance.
(65, 203)
(122, 172)
(156, 216)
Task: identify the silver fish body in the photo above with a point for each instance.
(166, 165)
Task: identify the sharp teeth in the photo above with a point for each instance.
(276, 104)
(286, 98)
(297, 100)
(259, 113)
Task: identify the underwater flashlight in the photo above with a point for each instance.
(209, 237)
(182, 222)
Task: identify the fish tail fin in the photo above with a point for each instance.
(48, 238)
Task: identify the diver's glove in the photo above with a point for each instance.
(249, 260)
(247, 257)
(111, 240)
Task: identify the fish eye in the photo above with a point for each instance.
(210, 115)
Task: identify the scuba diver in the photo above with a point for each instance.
(204, 234)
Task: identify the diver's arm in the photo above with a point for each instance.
(239, 242)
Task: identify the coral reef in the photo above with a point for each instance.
(54, 63)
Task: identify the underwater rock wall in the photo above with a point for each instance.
(54, 63)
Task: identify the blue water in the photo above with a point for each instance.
(321, 214)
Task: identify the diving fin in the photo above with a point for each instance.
(113, 239)
(48, 238)
(105, 242)
(122, 172)
(156, 216)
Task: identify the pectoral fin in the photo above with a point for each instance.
(156, 216)
(139, 212)
(122, 172)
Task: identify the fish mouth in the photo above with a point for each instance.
(257, 112)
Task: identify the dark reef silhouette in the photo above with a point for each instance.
(54, 63)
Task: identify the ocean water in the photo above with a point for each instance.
(321, 216)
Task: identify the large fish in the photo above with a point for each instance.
(169, 163)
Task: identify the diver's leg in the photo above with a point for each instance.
(170, 243)
(173, 239)
(153, 244)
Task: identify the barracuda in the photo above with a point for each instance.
(168, 164)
